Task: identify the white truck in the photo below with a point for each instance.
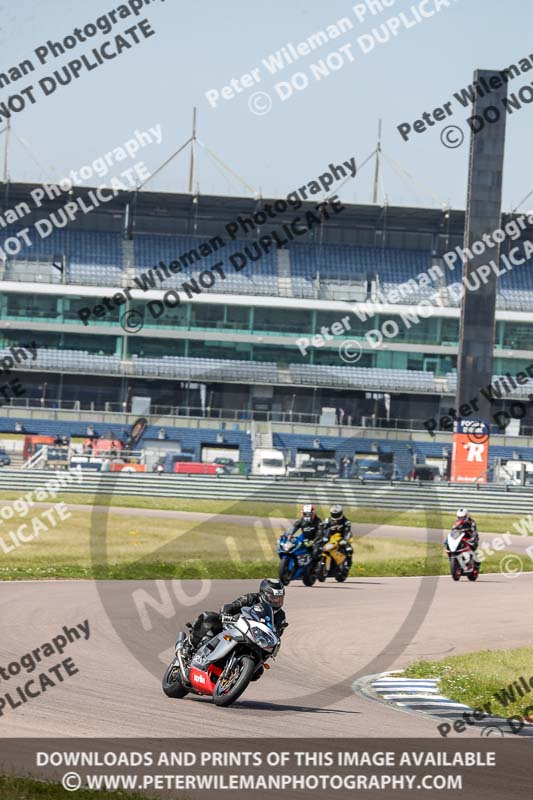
(268, 462)
(513, 472)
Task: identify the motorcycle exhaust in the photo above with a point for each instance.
(179, 656)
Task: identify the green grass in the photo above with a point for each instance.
(12, 788)
(494, 523)
(475, 678)
(124, 547)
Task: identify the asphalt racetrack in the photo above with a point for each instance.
(337, 632)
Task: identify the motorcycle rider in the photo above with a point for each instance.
(467, 523)
(309, 523)
(209, 623)
(338, 523)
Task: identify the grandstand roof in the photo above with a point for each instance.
(158, 211)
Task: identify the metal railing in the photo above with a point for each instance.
(121, 413)
(396, 496)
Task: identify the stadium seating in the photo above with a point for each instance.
(366, 378)
(265, 372)
(220, 369)
(205, 368)
(99, 258)
(524, 390)
(259, 277)
(92, 257)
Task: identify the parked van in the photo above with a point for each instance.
(268, 462)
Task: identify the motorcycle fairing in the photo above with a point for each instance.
(201, 681)
(454, 541)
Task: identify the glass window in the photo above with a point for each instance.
(207, 315)
(283, 320)
(73, 305)
(517, 336)
(237, 318)
(155, 348)
(32, 306)
(449, 331)
(157, 314)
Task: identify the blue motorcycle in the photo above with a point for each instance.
(294, 557)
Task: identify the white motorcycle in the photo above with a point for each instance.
(461, 555)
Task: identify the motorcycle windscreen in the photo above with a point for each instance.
(454, 541)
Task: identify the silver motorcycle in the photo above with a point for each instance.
(226, 663)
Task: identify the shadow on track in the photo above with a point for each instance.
(353, 583)
(257, 705)
(261, 705)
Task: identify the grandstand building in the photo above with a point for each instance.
(238, 342)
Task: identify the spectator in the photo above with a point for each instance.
(161, 434)
(90, 431)
(19, 427)
(160, 469)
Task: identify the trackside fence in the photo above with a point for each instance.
(484, 498)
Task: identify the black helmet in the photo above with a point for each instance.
(336, 512)
(272, 591)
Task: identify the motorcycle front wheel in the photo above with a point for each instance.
(455, 569)
(172, 685)
(342, 572)
(286, 571)
(309, 577)
(229, 688)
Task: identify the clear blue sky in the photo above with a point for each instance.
(203, 45)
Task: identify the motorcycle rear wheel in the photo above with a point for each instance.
(172, 685)
(309, 577)
(246, 667)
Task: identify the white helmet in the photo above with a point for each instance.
(462, 513)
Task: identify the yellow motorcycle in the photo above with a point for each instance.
(327, 560)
